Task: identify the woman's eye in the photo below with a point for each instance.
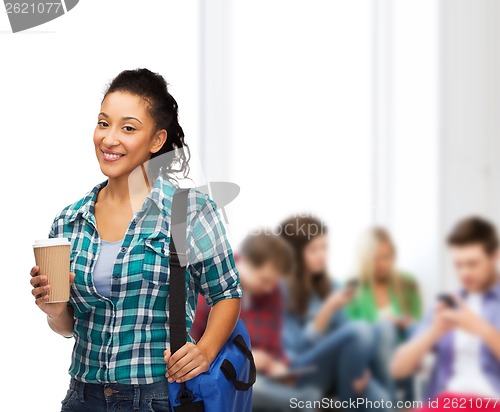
(102, 124)
(129, 128)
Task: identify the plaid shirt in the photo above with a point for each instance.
(263, 317)
(122, 338)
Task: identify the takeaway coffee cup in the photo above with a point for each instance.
(52, 256)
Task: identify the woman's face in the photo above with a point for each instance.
(384, 261)
(125, 135)
(315, 254)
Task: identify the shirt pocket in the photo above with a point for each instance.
(79, 294)
(156, 261)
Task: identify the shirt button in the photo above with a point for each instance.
(108, 334)
(123, 249)
(104, 367)
(115, 276)
(133, 222)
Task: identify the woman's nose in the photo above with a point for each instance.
(110, 139)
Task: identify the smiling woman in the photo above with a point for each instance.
(133, 137)
(151, 113)
(120, 234)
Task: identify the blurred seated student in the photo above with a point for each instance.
(316, 329)
(384, 292)
(388, 297)
(261, 262)
(463, 330)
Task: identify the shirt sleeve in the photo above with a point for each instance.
(275, 313)
(53, 229)
(211, 257)
(423, 324)
(416, 303)
(57, 227)
(297, 335)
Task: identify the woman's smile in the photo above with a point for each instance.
(110, 156)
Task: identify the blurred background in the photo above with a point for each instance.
(364, 112)
(358, 112)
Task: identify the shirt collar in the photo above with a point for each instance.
(493, 291)
(161, 195)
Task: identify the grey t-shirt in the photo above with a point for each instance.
(103, 269)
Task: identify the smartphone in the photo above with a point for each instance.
(448, 300)
(352, 285)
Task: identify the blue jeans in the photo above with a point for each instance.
(386, 341)
(341, 357)
(111, 397)
(388, 338)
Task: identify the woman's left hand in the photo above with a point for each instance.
(189, 361)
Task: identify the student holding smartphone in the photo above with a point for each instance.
(385, 293)
(317, 331)
(463, 330)
(389, 298)
(119, 232)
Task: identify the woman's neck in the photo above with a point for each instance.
(117, 190)
(127, 189)
(382, 281)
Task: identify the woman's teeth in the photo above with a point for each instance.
(111, 155)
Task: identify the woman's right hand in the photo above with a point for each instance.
(339, 298)
(41, 293)
(335, 301)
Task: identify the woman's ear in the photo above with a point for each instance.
(158, 141)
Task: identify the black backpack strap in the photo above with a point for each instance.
(178, 263)
(230, 372)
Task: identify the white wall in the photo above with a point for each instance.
(407, 145)
(470, 107)
(301, 123)
(215, 88)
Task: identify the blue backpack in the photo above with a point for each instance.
(227, 385)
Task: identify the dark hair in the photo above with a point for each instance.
(299, 231)
(473, 230)
(163, 108)
(265, 247)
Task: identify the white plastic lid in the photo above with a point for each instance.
(55, 241)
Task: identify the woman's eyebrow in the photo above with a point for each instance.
(131, 118)
(123, 118)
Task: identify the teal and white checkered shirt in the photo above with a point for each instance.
(122, 338)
